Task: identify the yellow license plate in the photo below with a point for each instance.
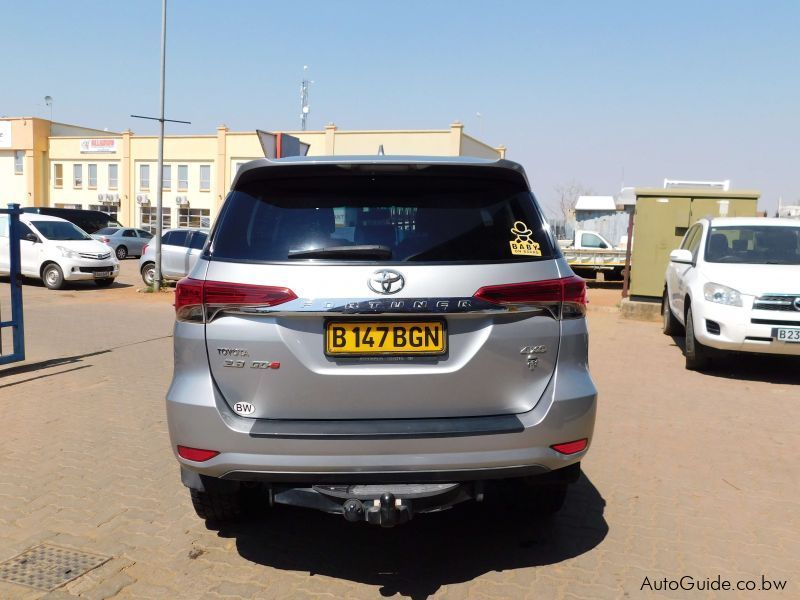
(382, 337)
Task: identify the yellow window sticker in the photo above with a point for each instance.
(522, 243)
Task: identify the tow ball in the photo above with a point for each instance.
(386, 511)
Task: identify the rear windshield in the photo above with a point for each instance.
(754, 245)
(386, 218)
(108, 230)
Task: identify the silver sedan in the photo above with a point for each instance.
(124, 241)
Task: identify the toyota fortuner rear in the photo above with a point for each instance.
(378, 337)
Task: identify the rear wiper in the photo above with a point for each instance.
(365, 252)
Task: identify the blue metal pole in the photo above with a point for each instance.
(15, 281)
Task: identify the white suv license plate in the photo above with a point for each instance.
(788, 335)
(101, 274)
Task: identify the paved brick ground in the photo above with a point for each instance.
(690, 474)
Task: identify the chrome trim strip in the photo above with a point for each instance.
(384, 306)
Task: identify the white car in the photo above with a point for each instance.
(180, 249)
(55, 251)
(734, 285)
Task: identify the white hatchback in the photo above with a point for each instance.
(734, 284)
(55, 250)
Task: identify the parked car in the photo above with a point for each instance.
(734, 285)
(180, 249)
(55, 250)
(590, 251)
(88, 220)
(378, 337)
(124, 241)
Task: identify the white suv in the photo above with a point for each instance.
(55, 250)
(734, 284)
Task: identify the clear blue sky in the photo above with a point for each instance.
(577, 91)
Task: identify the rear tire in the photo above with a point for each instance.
(149, 273)
(53, 277)
(122, 252)
(548, 499)
(215, 506)
(670, 325)
(697, 355)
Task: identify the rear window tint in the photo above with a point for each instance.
(176, 238)
(414, 218)
(108, 230)
(198, 240)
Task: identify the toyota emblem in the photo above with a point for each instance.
(386, 281)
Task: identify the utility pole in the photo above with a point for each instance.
(160, 167)
(304, 108)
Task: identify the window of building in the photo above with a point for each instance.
(166, 178)
(92, 176)
(109, 209)
(205, 178)
(58, 175)
(73, 206)
(147, 218)
(77, 176)
(19, 159)
(113, 176)
(144, 177)
(183, 178)
(193, 217)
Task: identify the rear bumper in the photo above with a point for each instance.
(495, 447)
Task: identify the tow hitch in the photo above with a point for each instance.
(385, 505)
(387, 511)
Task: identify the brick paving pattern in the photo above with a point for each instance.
(690, 474)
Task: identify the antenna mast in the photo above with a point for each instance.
(304, 108)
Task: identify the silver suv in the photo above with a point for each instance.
(379, 337)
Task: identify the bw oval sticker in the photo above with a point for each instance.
(244, 408)
(522, 244)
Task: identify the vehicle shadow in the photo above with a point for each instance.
(746, 366)
(416, 559)
(46, 364)
(603, 285)
(72, 286)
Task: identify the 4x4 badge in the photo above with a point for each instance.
(386, 281)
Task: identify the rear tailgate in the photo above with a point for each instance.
(447, 231)
(484, 369)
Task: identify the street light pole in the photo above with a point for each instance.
(160, 167)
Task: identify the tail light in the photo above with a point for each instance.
(144, 249)
(193, 297)
(566, 296)
(105, 240)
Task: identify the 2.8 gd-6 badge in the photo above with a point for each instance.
(522, 243)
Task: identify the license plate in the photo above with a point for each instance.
(99, 274)
(788, 335)
(359, 338)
